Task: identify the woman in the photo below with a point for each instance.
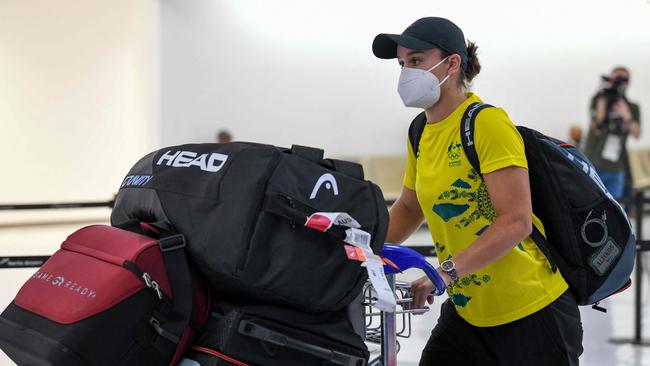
(506, 305)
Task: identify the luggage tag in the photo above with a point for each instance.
(357, 254)
(612, 148)
(373, 263)
(385, 295)
(323, 221)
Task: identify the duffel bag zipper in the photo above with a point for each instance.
(292, 224)
(356, 289)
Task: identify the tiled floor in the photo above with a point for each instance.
(598, 327)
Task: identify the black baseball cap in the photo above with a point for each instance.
(423, 34)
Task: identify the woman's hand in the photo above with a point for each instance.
(421, 292)
(422, 288)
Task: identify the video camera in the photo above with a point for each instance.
(614, 89)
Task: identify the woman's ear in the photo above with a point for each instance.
(454, 64)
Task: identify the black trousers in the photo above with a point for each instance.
(549, 337)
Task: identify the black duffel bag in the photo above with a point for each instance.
(263, 335)
(243, 207)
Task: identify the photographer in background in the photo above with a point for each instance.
(613, 118)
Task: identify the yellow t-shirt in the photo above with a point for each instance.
(457, 208)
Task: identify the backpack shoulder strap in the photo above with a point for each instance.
(467, 136)
(467, 133)
(415, 132)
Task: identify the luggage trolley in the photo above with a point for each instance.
(381, 327)
(384, 328)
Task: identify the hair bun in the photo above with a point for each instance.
(473, 64)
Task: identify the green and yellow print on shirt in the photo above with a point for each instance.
(456, 204)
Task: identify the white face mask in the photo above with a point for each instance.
(420, 88)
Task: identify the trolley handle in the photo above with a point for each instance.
(405, 258)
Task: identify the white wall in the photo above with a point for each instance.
(77, 108)
(79, 88)
(77, 100)
(289, 71)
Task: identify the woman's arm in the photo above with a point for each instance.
(405, 217)
(509, 191)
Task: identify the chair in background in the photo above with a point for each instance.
(387, 171)
(639, 160)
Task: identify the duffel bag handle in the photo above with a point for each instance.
(155, 229)
(264, 334)
(310, 153)
(352, 169)
(315, 155)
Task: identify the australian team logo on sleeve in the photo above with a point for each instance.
(453, 152)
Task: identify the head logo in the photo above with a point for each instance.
(589, 170)
(185, 159)
(330, 183)
(468, 125)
